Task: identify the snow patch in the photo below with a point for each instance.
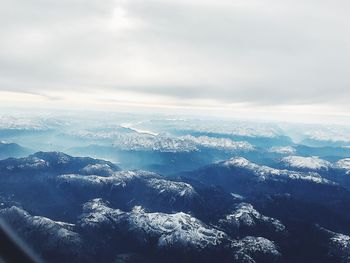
(264, 172)
(283, 150)
(343, 164)
(178, 230)
(313, 163)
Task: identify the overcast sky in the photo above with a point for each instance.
(274, 54)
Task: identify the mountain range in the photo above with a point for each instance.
(81, 209)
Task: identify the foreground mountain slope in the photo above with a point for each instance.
(231, 211)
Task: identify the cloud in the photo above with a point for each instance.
(260, 53)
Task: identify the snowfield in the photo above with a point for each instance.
(343, 164)
(246, 216)
(313, 163)
(178, 230)
(267, 173)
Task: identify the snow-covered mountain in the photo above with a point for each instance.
(51, 239)
(234, 210)
(343, 164)
(285, 150)
(300, 162)
(179, 232)
(264, 184)
(53, 163)
(235, 172)
(245, 220)
(340, 247)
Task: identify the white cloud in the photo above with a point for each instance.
(191, 52)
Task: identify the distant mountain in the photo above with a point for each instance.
(8, 150)
(329, 152)
(53, 163)
(157, 161)
(324, 142)
(334, 171)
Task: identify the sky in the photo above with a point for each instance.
(283, 58)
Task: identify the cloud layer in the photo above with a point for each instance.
(255, 52)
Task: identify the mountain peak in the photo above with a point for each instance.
(238, 162)
(54, 156)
